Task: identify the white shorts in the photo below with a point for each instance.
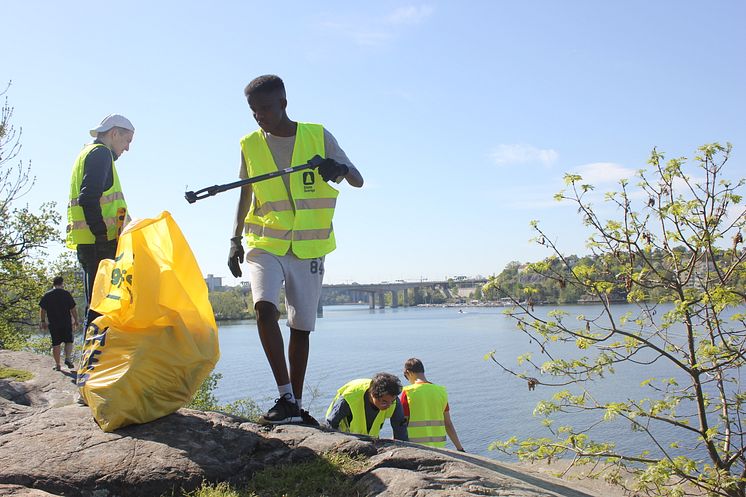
(302, 279)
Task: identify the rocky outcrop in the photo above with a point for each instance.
(50, 445)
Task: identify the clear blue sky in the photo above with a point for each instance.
(461, 116)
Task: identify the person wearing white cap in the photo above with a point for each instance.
(96, 211)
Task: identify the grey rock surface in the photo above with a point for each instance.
(51, 445)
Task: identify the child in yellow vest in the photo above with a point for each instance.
(425, 406)
(361, 406)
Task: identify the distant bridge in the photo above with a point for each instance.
(377, 291)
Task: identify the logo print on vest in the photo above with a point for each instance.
(308, 181)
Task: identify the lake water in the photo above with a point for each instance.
(354, 342)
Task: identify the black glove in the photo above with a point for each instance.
(329, 169)
(235, 256)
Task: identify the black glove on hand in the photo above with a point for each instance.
(235, 256)
(331, 170)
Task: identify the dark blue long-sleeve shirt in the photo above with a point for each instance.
(98, 177)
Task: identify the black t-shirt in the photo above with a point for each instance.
(58, 302)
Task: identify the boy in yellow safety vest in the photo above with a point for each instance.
(287, 224)
(361, 406)
(426, 408)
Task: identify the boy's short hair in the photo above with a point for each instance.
(414, 365)
(57, 281)
(264, 84)
(385, 384)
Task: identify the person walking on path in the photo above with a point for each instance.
(426, 408)
(96, 211)
(58, 314)
(361, 406)
(287, 224)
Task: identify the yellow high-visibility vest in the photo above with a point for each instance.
(427, 402)
(113, 206)
(354, 393)
(301, 222)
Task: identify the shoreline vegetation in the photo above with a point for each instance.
(518, 284)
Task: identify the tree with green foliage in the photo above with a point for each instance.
(230, 304)
(676, 251)
(24, 236)
(477, 294)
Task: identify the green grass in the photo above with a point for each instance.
(329, 475)
(218, 490)
(15, 374)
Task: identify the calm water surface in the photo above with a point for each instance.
(354, 342)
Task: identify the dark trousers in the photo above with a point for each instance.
(89, 256)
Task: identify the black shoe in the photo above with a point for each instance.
(308, 419)
(69, 364)
(283, 412)
(56, 368)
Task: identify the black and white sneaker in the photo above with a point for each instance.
(69, 364)
(308, 419)
(283, 412)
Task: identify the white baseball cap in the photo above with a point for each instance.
(112, 121)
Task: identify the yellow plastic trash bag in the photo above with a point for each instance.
(156, 340)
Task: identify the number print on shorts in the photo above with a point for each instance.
(317, 266)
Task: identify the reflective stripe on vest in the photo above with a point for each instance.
(416, 424)
(427, 402)
(286, 205)
(432, 441)
(302, 221)
(113, 205)
(354, 394)
(105, 199)
(82, 225)
(264, 231)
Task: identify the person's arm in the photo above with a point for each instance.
(340, 411)
(236, 253)
(353, 176)
(42, 318)
(242, 209)
(399, 423)
(97, 178)
(244, 202)
(404, 401)
(73, 312)
(451, 431)
(335, 152)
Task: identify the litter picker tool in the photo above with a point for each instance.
(192, 197)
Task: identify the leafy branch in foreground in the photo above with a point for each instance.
(676, 252)
(205, 400)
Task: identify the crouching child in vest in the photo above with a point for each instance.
(287, 224)
(425, 407)
(361, 406)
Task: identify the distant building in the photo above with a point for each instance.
(214, 282)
